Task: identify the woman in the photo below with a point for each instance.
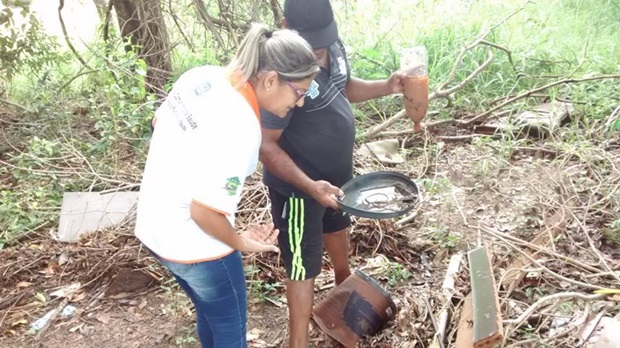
(206, 143)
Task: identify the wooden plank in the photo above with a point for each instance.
(447, 291)
(488, 328)
(465, 329)
(514, 274)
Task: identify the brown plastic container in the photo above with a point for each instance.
(416, 97)
(357, 308)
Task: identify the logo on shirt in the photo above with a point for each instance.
(202, 88)
(342, 66)
(313, 90)
(232, 185)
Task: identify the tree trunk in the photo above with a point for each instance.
(155, 45)
(142, 22)
(128, 20)
(276, 9)
(102, 8)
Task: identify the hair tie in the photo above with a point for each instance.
(269, 33)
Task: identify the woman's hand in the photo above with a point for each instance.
(259, 238)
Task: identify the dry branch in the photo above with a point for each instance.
(61, 5)
(515, 323)
(514, 273)
(210, 22)
(176, 20)
(487, 113)
(543, 268)
(539, 248)
(7, 102)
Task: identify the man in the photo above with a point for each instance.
(308, 155)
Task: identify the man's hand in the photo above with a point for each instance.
(259, 238)
(395, 82)
(326, 194)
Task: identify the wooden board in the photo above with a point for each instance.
(465, 328)
(514, 274)
(487, 320)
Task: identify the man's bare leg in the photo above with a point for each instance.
(337, 246)
(300, 297)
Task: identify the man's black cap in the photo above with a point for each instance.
(313, 20)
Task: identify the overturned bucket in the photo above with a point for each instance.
(357, 308)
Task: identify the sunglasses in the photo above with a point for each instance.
(299, 92)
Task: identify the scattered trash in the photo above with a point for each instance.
(68, 311)
(63, 258)
(42, 322)
(358, 307)
(609, 336)
(539, 122)
(67, 291)
(253, 334)
(387, 151)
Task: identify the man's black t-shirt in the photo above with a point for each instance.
(319, 136)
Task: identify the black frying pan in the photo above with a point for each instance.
(379, 195)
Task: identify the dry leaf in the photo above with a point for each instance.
(104, 317)
(75, 328)
(63, 258)
(40, 297)
(66, 291)
(78, 297)
(24, 284)
(253, 334)
(19, 322)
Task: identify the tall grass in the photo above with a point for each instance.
(548, 39)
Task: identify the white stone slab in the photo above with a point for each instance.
(83, 212)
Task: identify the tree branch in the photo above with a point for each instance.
(175, 19)
(554, 297)
(106, 24)
(209, 21)
(7, 102)
(61, 5)
(485, 114)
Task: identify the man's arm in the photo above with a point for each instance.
(359, 90)
(278, 162)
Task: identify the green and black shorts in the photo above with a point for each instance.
(302, 222)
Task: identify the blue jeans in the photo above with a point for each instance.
(217, 289)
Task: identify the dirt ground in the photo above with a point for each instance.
(463, 187)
